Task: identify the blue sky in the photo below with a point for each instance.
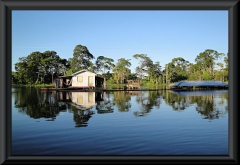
(161, 35)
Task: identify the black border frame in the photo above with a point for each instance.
(6, 6)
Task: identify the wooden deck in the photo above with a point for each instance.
(132, 84)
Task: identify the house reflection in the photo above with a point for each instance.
(81, 104)
(83, 100)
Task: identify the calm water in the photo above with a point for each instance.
(119, 123)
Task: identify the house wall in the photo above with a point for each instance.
(86, 99)
(84, 83)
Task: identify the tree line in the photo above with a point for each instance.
(43, 67)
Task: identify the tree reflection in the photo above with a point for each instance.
(30, 101)
(80, 117)
(36, 104)
(122, 100)
(208, 103)
(176, 101)
(147, 100)
(207, 107)
(225, 96)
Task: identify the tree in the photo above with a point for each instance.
(103, 64)
(145, 64)
(155, 72)
(121, 70)
(81, 59)
(226, 66)
(178, 69)
(226, 61)
(206, 60)
(37, 65)
(63, 67)
(27, 68)
(206, 76)
(139, 72)
(194, 72)
(169, 73)
(52, 64)
(221, 73)
(132, 76)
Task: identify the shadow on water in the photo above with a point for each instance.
(83, 105)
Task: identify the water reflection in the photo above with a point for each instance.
(122, 101)
(104, 103)
(37, 105)
(210, 104)
(83, 105)
(80, 104)
(147, 100)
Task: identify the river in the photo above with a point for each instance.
(135, 123)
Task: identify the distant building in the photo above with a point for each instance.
(80, 79)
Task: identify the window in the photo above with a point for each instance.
(80, 99)
(80, 78)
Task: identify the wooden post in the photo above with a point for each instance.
(104, 83)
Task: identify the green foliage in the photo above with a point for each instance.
(121, 70)
(195, 76)
(69, 72)
(206, 61)
(115, 86)
(152, 71)
(145, 63)
(103, 64)
(81, 59)
(206, 76)
(39, 68)
(111, 81)
(177, 70)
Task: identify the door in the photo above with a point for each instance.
(90, 80)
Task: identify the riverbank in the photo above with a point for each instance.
(33, 85)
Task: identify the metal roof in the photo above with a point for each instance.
(81, 71)
(199, 83)
(78, 72)
(66, 77)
